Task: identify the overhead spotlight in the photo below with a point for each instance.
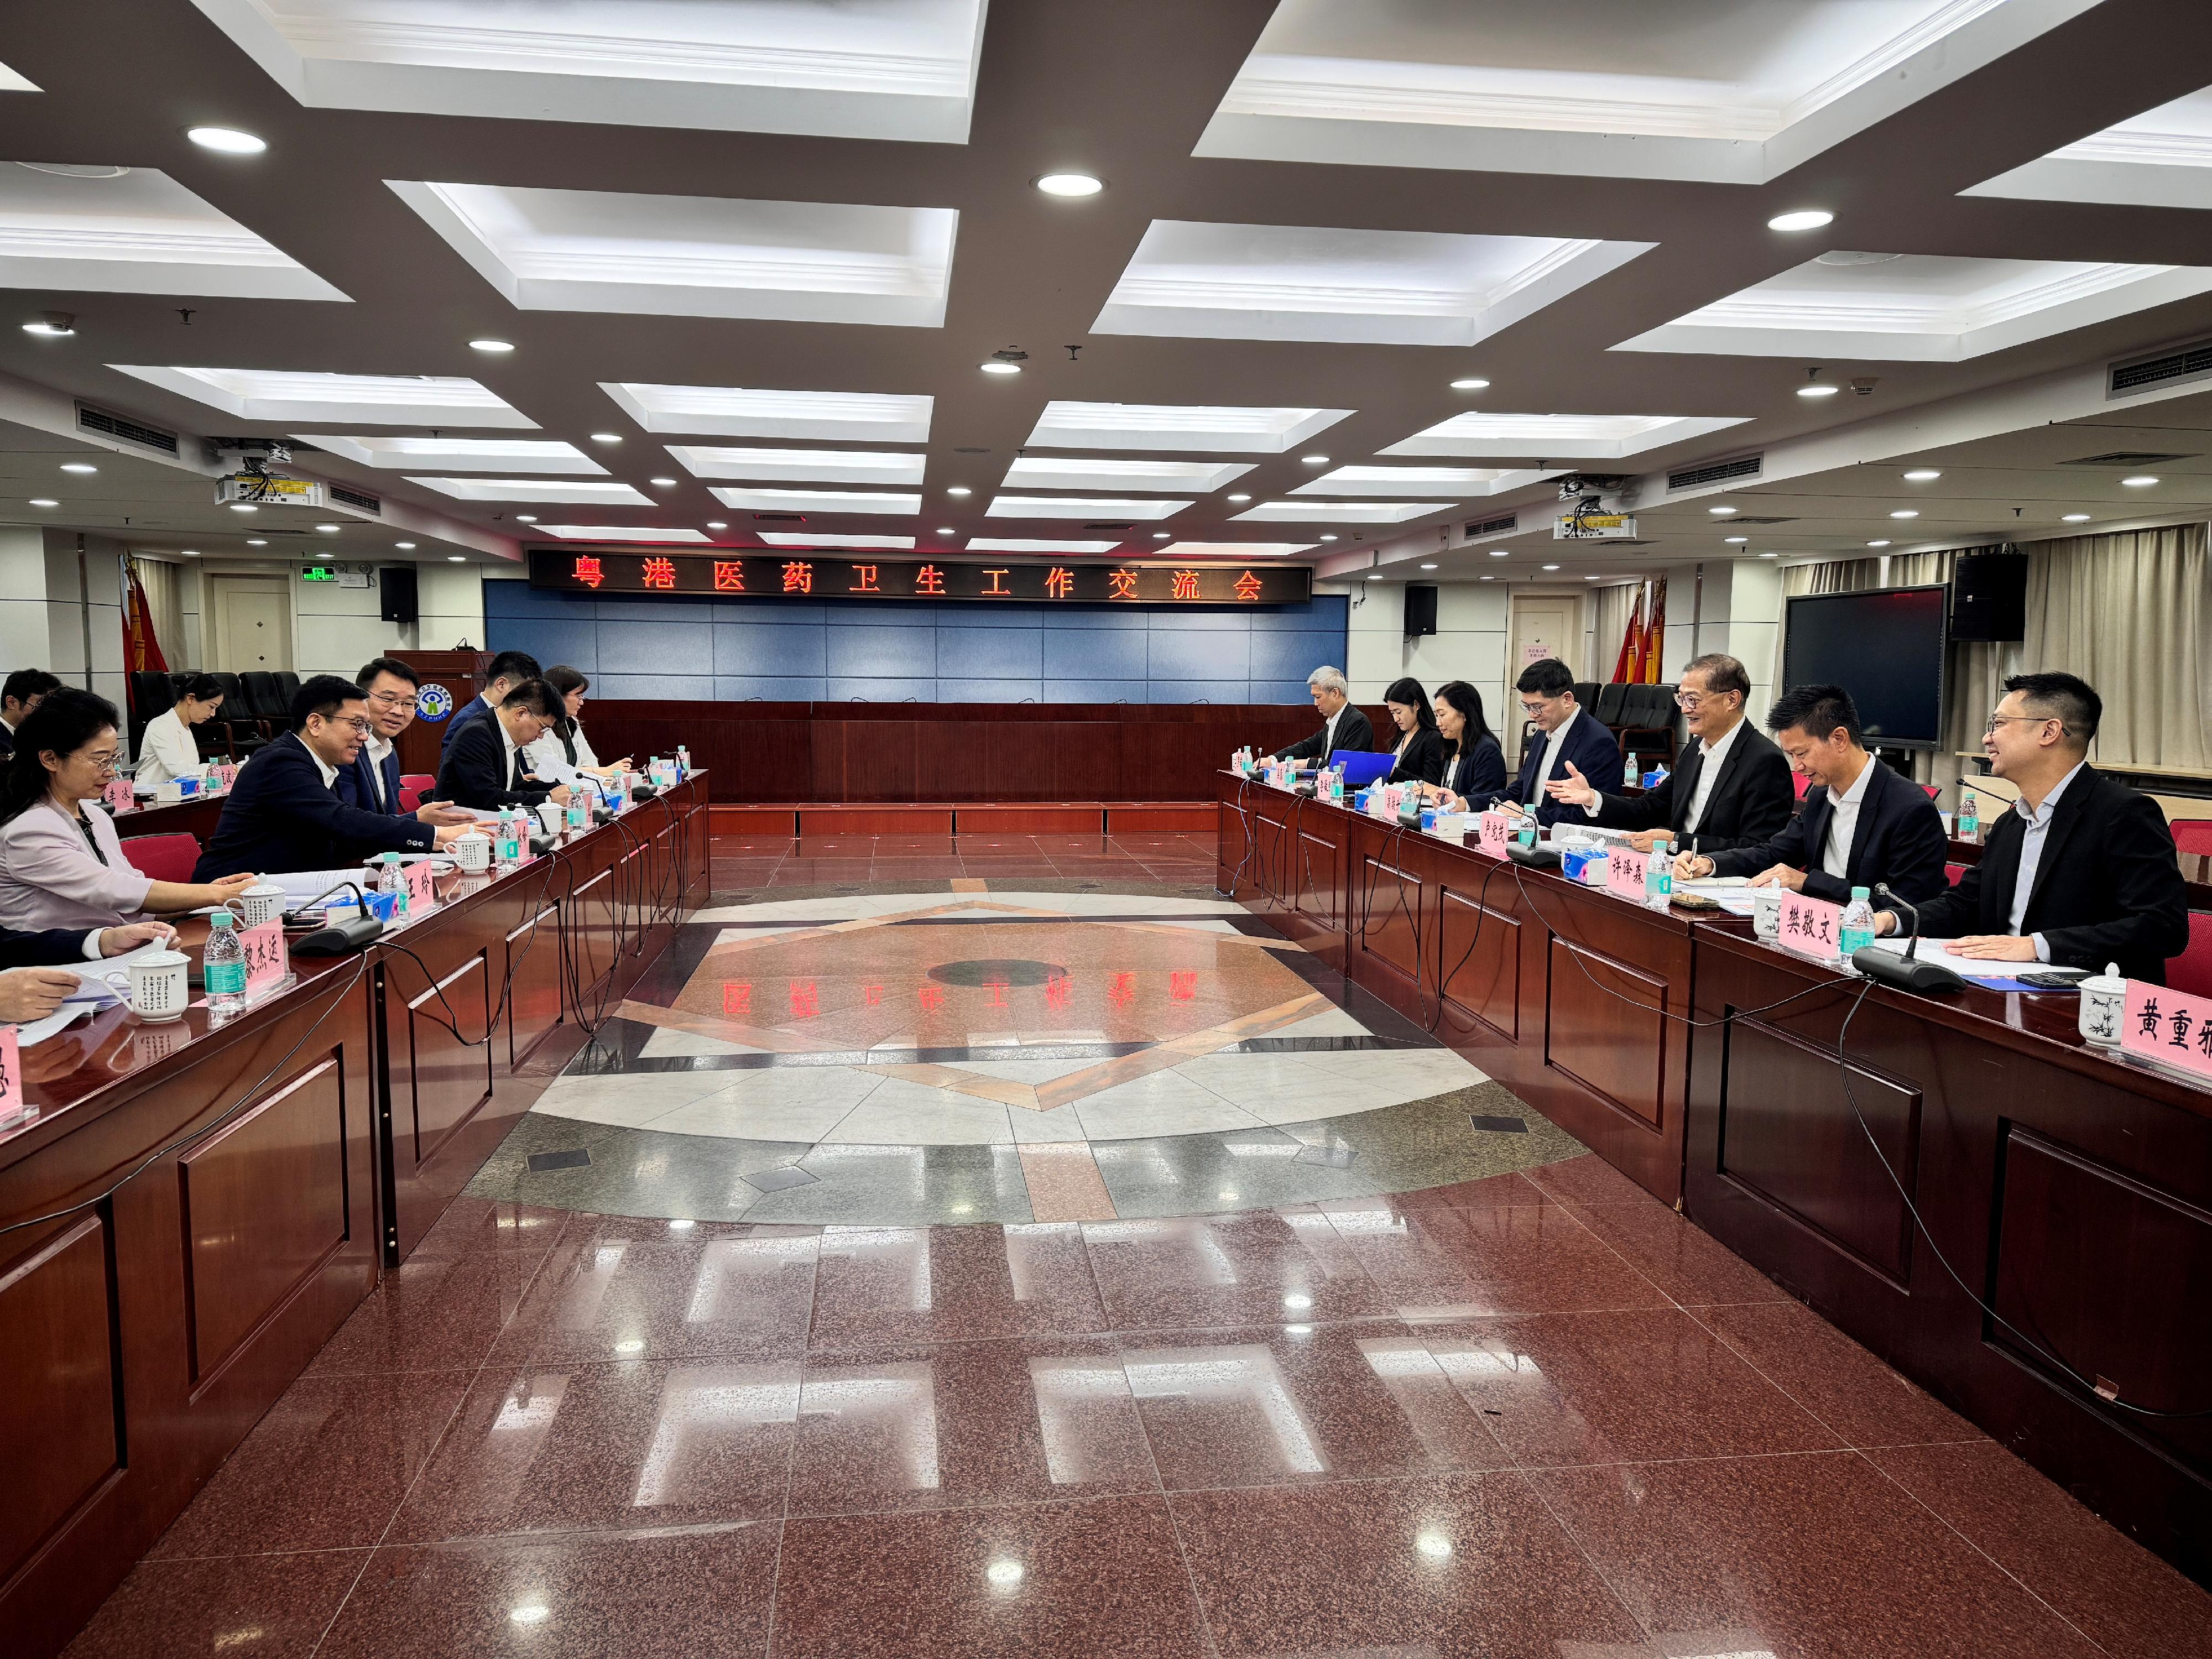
(229, 141)
(1722, 512)
(255, 541)
(491, 345)
(945, 530)
(1592, 579)
(43, 500)
(243, 506)
(326, 529)
(718, 524)
(1428, 567)
(958, 489)
(1551, 567)
(1329, 539)
(1923, 474)
(1905, 513)
(1486, 579)
(525, 517)
(1314, 460)
(607, 437)
(404, 547)
(1770, 556)
(2141, 481)
(1801, 219)
(1240, 496)
(1069, 184)
(1470, 385)
(1815, 386)
(1162, 535)
(51, 325)
(664, 483)
(1735, 539)
(2073, 518)
(1877, 543)
(79, 466)
(1500, 553)
(455, 558)
(189, 552)
(1000, 366)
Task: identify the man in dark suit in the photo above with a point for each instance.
(1569, 742)
(1342, 726)
(19, 694)
(372, 782)
(284, 812)
(485, 768)
(1731, 790)
(507, 670)
(2081, 871)
(1862, 823)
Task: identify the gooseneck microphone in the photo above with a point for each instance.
(1904, 973)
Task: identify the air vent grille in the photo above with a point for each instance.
(778, 517)
(1497, 526)
(89, 419)
(2128, 458)
(1713, 473)
(1110, 526)
(358, 500)
(2189, 362)
(1743, 519)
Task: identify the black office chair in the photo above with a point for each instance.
(288, 684)
(1607, 704)
(242, 731)
(1648, 720)
(1586, 694)
(265, 699)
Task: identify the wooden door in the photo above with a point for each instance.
(253, 624)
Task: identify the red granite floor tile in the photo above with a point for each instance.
(1445, 1567)
(611, 1300)
(1681, 1258)
(1616, 1386)
(1589, 1179)
(471, 1224)
(1101, 1580)
(432, 1315)
(943, 1284)
(1832, 1377)
(2117, 1593)
(608, 1447)
(272, 1607)
(1198, 1271)
(946, 1424)
(1520, 1259)
(835, 846)
(324, 1469)
(1814, 1557)
(1509, 1192)
(701, 1593)
(1291, 1404)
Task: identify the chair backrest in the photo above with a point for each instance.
(1586, 693)
(1800, 783)
(1649, 705)
(265, 697)
(1952, 872)
(1610, 699)
(164, 858)
(1933, 789)
(2191, 971)
(425, 782)
(288, 684)
(2192, 835)
(410, 795)
(151, 694)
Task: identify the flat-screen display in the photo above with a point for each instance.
(1885, 647)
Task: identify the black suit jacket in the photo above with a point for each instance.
(6, 741)
(1423, 760)
(2108, 887)
(462, 718)
(281, 816)
(1899, 840)
(53, 947)
(1478, 775)
(475, 772)
(1751, 801)
(1353, 732)
(1595, 753)
(356, 789)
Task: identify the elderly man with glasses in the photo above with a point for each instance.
(1732, 789)
(285, 813)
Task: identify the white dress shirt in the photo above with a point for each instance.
(1709, 770)
(1843, 822)
(548, 757)
(167, 751)
(2031, 856)
(377, 748)
(1555, 747)
(329, 772)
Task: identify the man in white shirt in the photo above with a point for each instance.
(1572, 744)
(168, 751)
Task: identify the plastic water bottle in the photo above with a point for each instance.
(1659, 876)
(578, 810)
(509, 851)
(1970, 816)
(210, 778)
(222, 965)
(1856, 930)
(682, 762)
(1635, 772)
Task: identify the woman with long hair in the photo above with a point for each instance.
(1474, 764)
(1419, 756)
(61, 862)
(168, 750)
(562, 751)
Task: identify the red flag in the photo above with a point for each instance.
(1655, 635)
(141, 650)
(1627, 667)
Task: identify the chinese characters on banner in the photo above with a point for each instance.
(2167, 1028)
(660, 574)
(1042, 582)
(1812, 927)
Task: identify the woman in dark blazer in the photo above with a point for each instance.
(1474, 766)
(1420, 751)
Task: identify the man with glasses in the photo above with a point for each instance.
(285, 814)
(372, 782)
(1733, 789)
(2080, 872)
(1570, 743)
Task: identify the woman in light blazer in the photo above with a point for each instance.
(61, 861)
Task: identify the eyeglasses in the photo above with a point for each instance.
(1533, 709)
(359, 726)
(103, 763)
(390, 699)
(1691, 701)
(1996, 720)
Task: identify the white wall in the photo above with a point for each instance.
(450, 600)
(335, 630)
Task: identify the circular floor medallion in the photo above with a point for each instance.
(997, 970)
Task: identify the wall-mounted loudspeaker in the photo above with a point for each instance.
(395, 587)
(1420, 609)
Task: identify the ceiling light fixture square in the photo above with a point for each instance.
(765, 499)
(611, 493)
(1558, 437)
(732, 411)
(458, 454)
(1081, 507)
(1221, 429)
(287, 397)
(841, 466)
(617, 532)
(1094, 472)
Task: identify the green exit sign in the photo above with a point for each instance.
(318, 572)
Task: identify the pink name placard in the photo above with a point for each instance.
(422, 888)
(266, 960)
(117, 797)
(1812, 927)
(2168, 1028)
(1495, 832)
(1624, 871)
(12, 1109)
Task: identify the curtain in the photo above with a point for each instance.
(1616, 603)
(160, 582)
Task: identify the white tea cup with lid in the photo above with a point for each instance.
(2104, 1001)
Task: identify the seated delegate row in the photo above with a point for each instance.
(2081, 873)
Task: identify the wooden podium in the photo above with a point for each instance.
(461, 674)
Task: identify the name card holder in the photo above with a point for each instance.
(2168, 1028)
(1625, 872)
(1812, 927)
(117, 797)
(1496, 830)
(268, 964)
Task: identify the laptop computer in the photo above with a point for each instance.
(1361, 769)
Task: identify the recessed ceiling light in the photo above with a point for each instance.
(959, 489)
(1551, 567)
(229, 140)
(404, 547)
(2140, 482)
(1818, 389)
(1428, 567)
(1905, 513)
(1329, 539)
(255, 541)
(1735, 539)
(491, 345)
(997, 366)
(1721, 512)
(1470, 385)
(1801, 219)
(79, 466)
(1315, 460)
(1592, 579)
(1770, 556)
(1240, 496)
(243, 506)
(1500, 553)
(664, 483)
(945, 530)
(43, 500)
(607, 437)
(2073, 518)
(455, 558)
(1070, 183)
(1922, 475)
(54, 325)
(1162, 535)
(189, 552)
(1877, 543)
(525, 517)
(326, 530)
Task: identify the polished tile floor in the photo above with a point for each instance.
(1520, 1411)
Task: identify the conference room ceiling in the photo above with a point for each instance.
(752, 254)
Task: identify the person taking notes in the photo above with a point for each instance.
(1567, 736)
(168, 751)
(1342, 725)
(487, 769)
(1474, 766)
(1419, 756)
(1861, 823)
(1732, 790)
(2080, 871)
(507, 670)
